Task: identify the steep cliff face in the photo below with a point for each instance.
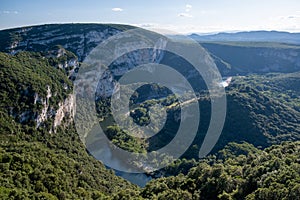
(70, 44)
(44, 114)
(63, 112)
(108, 85)
(63, 59)
(35, 93)
(36, 98)
(64, 47)
(77, 38)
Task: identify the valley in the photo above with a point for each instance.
(42, 156)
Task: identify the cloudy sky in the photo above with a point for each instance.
(182, 16)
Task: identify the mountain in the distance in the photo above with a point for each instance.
(250, 36)
(255, 54)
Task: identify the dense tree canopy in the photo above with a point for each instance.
(38, 164)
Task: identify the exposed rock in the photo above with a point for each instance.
(44, 114)
(66, 60)
(107, 84)
(66, 111)
(79, 39)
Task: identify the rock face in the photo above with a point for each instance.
(77, 38)
(67, 45)
(63, 59)
(108, 85)
(44, 114)
(64, 113)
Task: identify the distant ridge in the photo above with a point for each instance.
(253, 36)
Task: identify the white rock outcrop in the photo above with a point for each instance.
(64, 113)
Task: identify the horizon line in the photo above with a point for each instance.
(151, 28)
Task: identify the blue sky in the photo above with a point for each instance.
(182, 16)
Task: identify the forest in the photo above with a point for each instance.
(43, 157)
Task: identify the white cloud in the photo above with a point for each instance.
(289, 23)
(185, 15)
(287, 17)
(8, 12)
(117, 9)
(188, 7)
(284, 18)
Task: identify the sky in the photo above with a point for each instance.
(178, 16)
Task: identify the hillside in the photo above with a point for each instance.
(252, 36)
(77, 38)
(37, 163)
(269, 174)
(245, 57)
(261, 110)
(258, 114)
(42, 157)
